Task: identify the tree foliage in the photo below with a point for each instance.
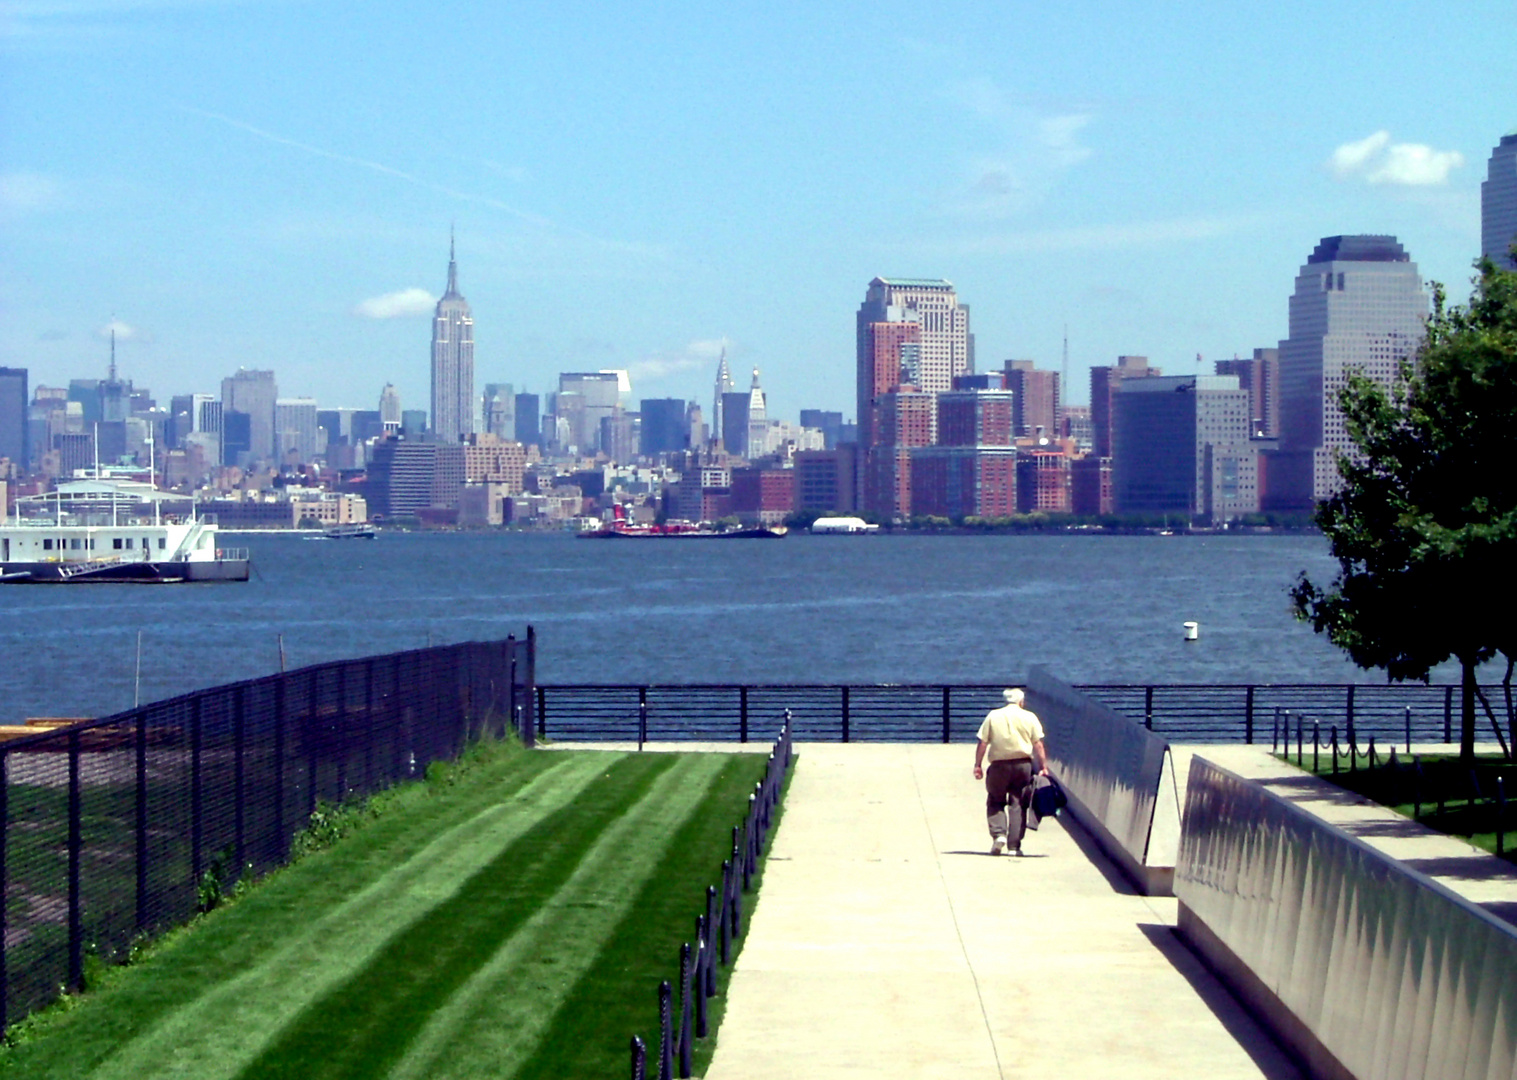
(1424, 527)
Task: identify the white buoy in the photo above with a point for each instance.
(1192, 631)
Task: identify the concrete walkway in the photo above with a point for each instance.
(888, 943)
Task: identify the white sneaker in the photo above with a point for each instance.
(998, 845)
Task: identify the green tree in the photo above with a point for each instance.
(1425, 526)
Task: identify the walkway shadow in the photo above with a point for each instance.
(1008, 858)
(1271, 1058)
(1090, 847)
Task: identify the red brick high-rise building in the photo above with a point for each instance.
(971, 472)
(907, 418)
(1037, 399)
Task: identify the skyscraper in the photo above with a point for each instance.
(452, 362)
(1036, 408)
(1359, 307)
(891, 354)
(389, 409)
(1498, 204)
(724, 385)
(1261, 378)
(13, 418)
(252, 394)
(758, 420)
(1104, 381)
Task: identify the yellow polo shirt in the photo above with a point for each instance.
(1009, 732)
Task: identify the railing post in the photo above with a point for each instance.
(947, 715)
(542, 712)
(196, 799)
(75, 843)
(742, 714)
(142, 853)
(238, 786)
(642, 716)
(1500, 818)
(1353, 740)
(709, 938)
(666, 1032)
(5, 832)
(1248, 716)
(686, 1058)
(1335, 749)
(639, 1059)
(1408, 729)
(845, 714)
(724, 915)
(1448, 714)
(701, 957)
(1148, 707)
(1316, 745)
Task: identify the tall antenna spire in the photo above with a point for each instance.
(113, 349)
(452, 267)
(1064, 370)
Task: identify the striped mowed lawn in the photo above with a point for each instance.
(514, 923)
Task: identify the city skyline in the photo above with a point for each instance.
(1145, 180)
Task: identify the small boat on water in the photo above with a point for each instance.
(100, 530)
(358, 530)
(622, 529)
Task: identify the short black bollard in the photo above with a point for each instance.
(1500, 818)
(639, 1059)
(702, 961)
(726, 918)
(1416, 787)
(686, 1061)
(710, 941)
(665, 1031)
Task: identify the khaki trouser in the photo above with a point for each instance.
(1008, 791)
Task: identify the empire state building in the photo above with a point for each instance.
(452, 362)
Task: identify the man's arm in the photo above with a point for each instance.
(979, 756)
(1040, 757)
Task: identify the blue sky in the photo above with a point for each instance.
(272, 184)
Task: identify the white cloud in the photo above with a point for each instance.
(698, 355)
(26, 192)
(124, 332)
(1376, 160)
(401, 304)
(1029, 149)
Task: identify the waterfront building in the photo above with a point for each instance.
(1043, 482)
(252, 394)
(1090, 493)
(1036, 408)
(1358, 307)
(971, 472)
(905, 419)
(1104, 381)
(1182, 446)
(946, 347)
(827, 480)
(452, 361)
(400, 475)
(1260, 376)
(664, 428)
(1498, 204)
(1075, 428)
(14, 407)
(762, 496)
(886, 350)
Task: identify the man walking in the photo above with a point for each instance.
(1013, 736)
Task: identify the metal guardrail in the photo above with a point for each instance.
(117, 828)
(716, 929)
(1367, 968)
(941, 712)
(1114, 772)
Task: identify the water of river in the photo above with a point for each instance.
(806, 609)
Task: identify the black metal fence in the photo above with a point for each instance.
(118, 828)
(952, 713)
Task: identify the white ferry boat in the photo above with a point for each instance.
(111, 530)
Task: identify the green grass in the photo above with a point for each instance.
(1401, 789)
(511, 918)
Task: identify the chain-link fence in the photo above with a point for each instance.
(118, 828)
